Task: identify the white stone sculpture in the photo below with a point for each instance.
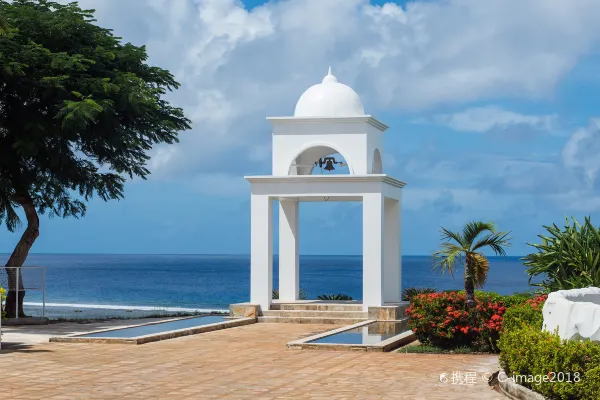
(576, 313)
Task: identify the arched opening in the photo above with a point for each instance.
(307, 162)
(377, 165)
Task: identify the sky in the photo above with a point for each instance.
(492, 107)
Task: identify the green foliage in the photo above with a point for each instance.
(409, 292)
(465, 248)
(79, 110)
(567, 258)
(508, 300)
(301, 295)
(443, 320)
(2, 299)
(529, 351)
(527, 313)
(339, 296)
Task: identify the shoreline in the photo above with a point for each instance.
(100, 312)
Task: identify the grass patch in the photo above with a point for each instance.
(430, 349)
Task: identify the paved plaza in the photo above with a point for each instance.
(249, 362)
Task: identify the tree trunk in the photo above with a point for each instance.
(15, 296)
(469, 286)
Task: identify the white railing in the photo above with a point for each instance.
(22, 280)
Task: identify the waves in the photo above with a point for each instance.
(129, 308)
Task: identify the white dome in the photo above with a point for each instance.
(329, 99)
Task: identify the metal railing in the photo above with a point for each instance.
(24, 279)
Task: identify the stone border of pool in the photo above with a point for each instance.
(387, 345)
(155, 336)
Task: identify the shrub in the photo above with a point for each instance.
(507, 300)
(339, 296)
(527, 313)
(493, 297)
(442, 319)
(409, 292)
(527, 350)
(568, 258)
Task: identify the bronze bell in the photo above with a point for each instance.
(329, 166)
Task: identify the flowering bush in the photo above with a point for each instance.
(442, 319)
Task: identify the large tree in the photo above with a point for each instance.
(466, 248)
(79, 111)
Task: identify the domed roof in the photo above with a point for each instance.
(329, 99)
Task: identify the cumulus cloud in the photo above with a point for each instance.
(237, 65)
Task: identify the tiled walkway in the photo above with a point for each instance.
(248, 362)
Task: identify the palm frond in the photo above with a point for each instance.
(480, 266)
(449, 235)
(475, 228)
(496, 241)
(445, 259)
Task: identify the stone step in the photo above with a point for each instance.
(316, 306)
(311, 320)
(315, 314)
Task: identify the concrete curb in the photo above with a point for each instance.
(155, 337)
(515, 391)
(25, 321)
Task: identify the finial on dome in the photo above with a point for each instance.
(329, 78)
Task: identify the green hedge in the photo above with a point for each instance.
(529, 351)
(528, 313)
(526, 350)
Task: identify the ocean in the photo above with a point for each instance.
(86, 285)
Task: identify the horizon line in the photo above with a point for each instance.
(225, 254)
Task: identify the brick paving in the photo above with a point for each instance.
(249, 362)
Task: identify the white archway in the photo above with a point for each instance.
(303, 162)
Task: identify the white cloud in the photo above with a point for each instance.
(238, 66)
(489, 118)
(582, 150)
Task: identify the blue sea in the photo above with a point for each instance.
(127, 285)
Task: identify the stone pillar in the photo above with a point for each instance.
(261, 250)
(372, 250)
(392, 264)
(288, 250)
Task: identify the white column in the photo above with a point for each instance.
(288, 250)
(372, 250)
(261, 250)
(392, 264)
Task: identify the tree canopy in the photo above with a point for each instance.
(79, 110)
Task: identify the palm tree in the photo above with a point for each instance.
(465, 248)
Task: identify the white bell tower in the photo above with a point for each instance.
(329, 119)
